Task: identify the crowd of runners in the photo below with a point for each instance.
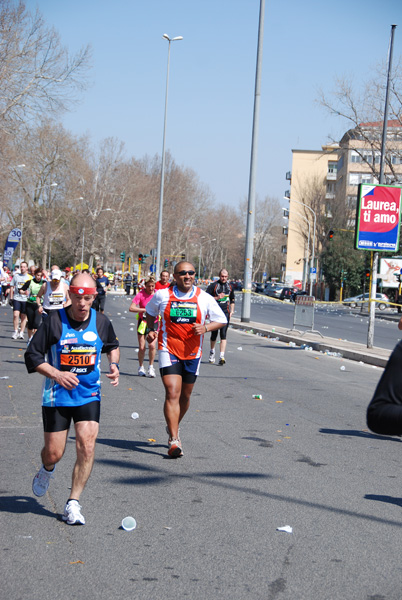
(63, 313)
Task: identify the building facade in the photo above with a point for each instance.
(327, 182)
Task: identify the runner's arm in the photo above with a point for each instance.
(113, 358)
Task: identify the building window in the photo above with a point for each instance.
(366, 179)
(355, 157)
(354, 179)
(284, 249)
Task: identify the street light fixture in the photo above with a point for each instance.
(308, 239)
(159, 237)
(314, 232)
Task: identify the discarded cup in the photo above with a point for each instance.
(129, 523)
(257, 396)
(135, 415)
(286, 529)
(342, 368)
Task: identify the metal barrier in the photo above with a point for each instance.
(304, 315)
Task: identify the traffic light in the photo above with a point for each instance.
(122, 257)
(367, 273)
(140, 258)
(330, 234)
(165, 263)
(183, 256)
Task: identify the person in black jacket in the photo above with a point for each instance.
(384, 413)
(223, 293)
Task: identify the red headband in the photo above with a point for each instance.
(81, 291)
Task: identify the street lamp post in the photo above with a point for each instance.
(314, 235)
(199, 263)
(159, 237)
(308, 242)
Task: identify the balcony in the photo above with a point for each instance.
(330, 195)
(331, 175)
(287, 194)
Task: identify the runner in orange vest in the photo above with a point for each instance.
(183, 309)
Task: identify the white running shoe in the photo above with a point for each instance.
(211, 358)
(41, 481)
(21, 335)
(72, 513)
(15, 335)
(142, 372)
(175, 448)
(151, 371)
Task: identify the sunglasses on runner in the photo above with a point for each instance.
(182, 273)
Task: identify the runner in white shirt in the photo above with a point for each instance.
(18, 301)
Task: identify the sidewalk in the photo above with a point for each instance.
(351, 350)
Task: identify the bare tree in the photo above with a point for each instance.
(266, 255)
(362, 110)
(37, 75)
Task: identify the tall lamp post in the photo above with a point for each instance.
(159, 238)
(314, 234)
(308, 240)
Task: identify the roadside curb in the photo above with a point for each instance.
(372, 356)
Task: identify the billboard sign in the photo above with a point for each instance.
(389, 267)
(378, 218)
(10, 245)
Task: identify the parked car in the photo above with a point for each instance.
(259, 288)
(359, 300)
(273, 289)
(286, 293)
(237, 285)
(298, 293)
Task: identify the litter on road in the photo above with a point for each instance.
(285, 528)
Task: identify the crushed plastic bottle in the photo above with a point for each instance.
(335, 354)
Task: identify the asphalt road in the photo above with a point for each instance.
(207, 523)
(333, 321)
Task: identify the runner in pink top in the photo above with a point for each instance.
(138, 306)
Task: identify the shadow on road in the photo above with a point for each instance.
(387, 499)
(24, 504)
(357, 433)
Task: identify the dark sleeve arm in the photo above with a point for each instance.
(47, 335)
(210, 289)
(231, 295)
(26, 285)
(384, 413)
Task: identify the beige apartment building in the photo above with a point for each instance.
(327, 180)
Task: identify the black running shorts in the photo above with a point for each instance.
(58, 418)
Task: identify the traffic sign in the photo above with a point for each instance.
(152, 268)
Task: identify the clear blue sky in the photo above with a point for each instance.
(212, 75)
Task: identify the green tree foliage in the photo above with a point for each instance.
(339, 257)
